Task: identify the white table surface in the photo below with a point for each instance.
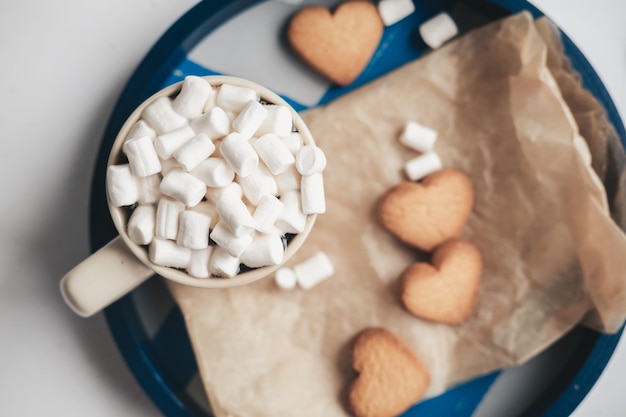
(64, 64)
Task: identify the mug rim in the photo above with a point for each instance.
(120, 219)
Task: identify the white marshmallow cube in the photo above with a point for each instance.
(263, 251)
(259, 183)
(310, 160)
(285, 278)
(214, 172)
(234, 98)
(417, 137)
(294, 142)
(222, 264)
(291, 218)
(139, 129)
(193, 96)
(199, 263)
(278, 121)
(438, 30)
(312, 192)
(240, 155)
(193, 230)
(288, 180)
(423, 165)
(235, 215)
(274, 153)
(121, 185)
(215, 123)
(313, 271)
(167, 218)
(234, 245)
(149, 189)
(249, 120)
(392, 11)
(168, 253)
(141, 224)
(162, 117)
(266, 213)
(183, 187)
(196, 150)
(168, 143)
(142, 156)
(231, 190)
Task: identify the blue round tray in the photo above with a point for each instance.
(153, 340)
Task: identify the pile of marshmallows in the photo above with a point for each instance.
(216, 178)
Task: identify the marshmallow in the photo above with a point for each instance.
(199, 263)
(310, 160)
(263, 251)
(294, 142)
(278, 121)
(423, 165)
(170, 142)
(194, 94)
(436, 31)
(121, 185)
(141, 156)
(258, 184)
(312, 192)
(183, 187)
(238, 152)
(168, 253)
(231, 190)
(141, 224)
(288, 180)
(167, 218)
(214, 172)
(215, 123)
(234, 245)
(291, 218)
(222, 264)
(139, 129)
(161, 116)
(417, 137)
(249, 120)
(149, 189)
(193, 230)
(274, 153)
(313, 271)
(392, 11)
(285, 278)
(234, 98)
(235, 215)
(266, 213)
(196, 150)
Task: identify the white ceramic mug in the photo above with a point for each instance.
(121, 265)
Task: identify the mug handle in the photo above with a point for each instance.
(104, 277)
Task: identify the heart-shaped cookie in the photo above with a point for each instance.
(426, 214)
(337, 45)
(446, 291)
(391, 378)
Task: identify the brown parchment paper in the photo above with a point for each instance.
(507, 108)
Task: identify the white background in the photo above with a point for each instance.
(64, 64)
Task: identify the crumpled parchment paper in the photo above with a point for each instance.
(513, 116)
